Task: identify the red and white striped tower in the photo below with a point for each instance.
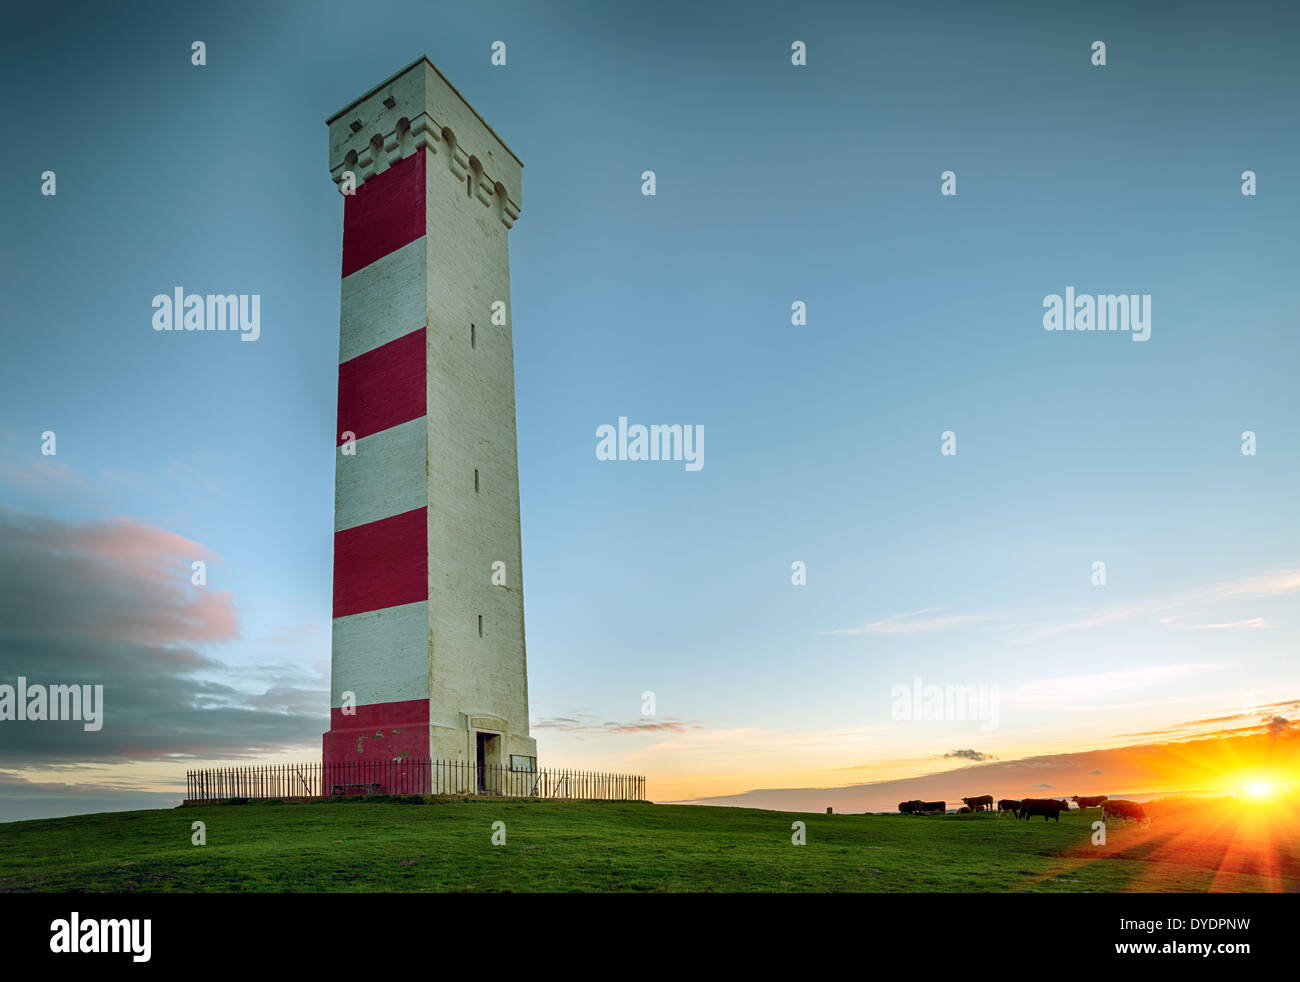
(428, 640)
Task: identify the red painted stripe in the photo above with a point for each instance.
(356, 739)
(386, 213)
(381, 564)
(383, 387)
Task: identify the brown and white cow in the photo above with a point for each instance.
(1094, 802)
(983, 803)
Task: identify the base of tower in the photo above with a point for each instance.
(393, 748)
(380, 731)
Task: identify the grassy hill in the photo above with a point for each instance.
(602, 846)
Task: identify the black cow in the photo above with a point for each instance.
(1123, 809)
(981, 804)
(934, 806)
(1047, 807)
(1009, 805)
(1094, 802)
(910, 807)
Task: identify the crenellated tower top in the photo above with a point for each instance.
(418, 108)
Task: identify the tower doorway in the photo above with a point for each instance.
(487, 754)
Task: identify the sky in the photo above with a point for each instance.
(775, 183)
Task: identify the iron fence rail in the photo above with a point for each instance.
(406, 776)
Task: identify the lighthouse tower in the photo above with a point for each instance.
(428, 633)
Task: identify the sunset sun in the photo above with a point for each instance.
(1256, 787)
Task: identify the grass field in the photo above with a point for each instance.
(602, 847)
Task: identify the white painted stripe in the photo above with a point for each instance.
(383, 301)
(386, 477)
(381, 655)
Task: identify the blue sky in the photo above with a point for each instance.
(775, 184)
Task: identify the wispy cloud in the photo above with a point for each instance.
(41, 474)
(1071, 689)
(975, 755)
(915, 622)
(1167, 610)
(587, 724)
(1260, 719)
(1273, 584)
(1252, 623)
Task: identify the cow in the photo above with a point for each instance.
(964, 810)
(983, 803)
(1095, 802)
(910, 807)
(1008, 805)
(934, 806)
(1047, 807)
(1118, 808)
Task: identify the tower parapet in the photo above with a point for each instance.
(419, 109)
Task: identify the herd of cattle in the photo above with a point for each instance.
(1027, 808)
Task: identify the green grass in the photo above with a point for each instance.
(598, 847)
